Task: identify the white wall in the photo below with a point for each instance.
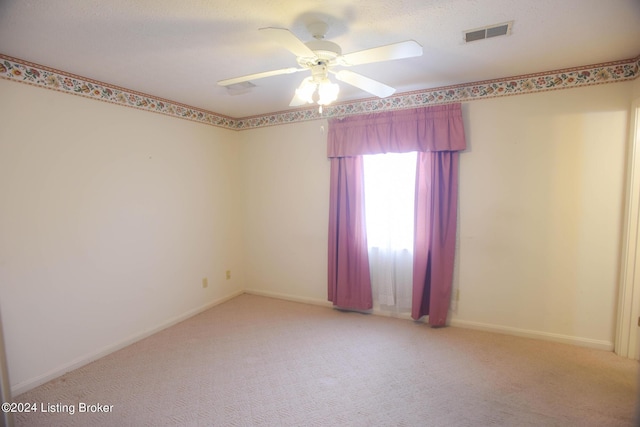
(286, 214)
(110, 219)
(541, 201)
(541, 195)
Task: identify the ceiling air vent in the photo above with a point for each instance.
(240, 88)
(503, 29)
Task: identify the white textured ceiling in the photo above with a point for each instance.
(178, 49)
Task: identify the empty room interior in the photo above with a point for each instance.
(170, 171)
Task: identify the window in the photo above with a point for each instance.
(389, 188)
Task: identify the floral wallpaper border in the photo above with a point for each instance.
(49, 78)
(37, 75)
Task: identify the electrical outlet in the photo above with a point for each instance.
(228, 274)
(205, 282)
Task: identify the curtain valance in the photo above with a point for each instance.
(437, 128)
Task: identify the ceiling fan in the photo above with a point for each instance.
(321, 56)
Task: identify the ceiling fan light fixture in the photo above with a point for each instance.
(327, 92)
(306, 90)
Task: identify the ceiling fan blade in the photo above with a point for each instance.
(228, 82)
(374, 87)
(405, 49)
(289, 41)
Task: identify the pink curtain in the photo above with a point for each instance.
(436, 212)
(349, 277)
(437, 133)
(438, 128)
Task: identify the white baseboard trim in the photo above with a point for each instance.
(547, 336)
(287, 297)
(27, 385)
(314, 301)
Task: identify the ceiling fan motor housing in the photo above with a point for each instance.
(325, 51)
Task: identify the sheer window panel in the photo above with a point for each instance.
(389, 185)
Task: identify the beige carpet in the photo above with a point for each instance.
(256, 361)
